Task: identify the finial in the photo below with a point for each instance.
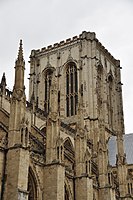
(3, 80)
(3, 83)
(19, 89)
(20, 52)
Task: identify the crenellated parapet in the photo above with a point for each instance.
(89, 36)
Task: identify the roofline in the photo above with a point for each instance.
(83, 36)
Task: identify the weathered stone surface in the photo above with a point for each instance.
(55, 147)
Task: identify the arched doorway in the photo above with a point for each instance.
(32, 186)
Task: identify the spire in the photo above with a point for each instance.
(3, 83)
(20, 58)
(19, 72)
(20, 52)
(3, 80)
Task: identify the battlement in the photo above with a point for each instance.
(83, 36)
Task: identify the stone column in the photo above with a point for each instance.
(17, 161)
(54, 170)
(83, 180)
(54, 178)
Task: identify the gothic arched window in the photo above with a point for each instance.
(110, 99)
(71, 89)
(100, 86)
(47, 83)
(32, 186)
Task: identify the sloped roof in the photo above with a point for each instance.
(128, 146)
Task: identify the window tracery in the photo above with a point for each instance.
(71, 89)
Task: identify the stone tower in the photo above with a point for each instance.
(87, 74)
(67, 141)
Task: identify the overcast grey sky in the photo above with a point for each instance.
(40, 23)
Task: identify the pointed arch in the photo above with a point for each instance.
(71, 88)
(70, 60)
(68, 143)
(32, 185)
(110, 98)
(47, 76)
(88, 161)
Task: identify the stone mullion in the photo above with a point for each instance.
(74, 94)
(69, 96)
(47, 96)
(45, 93)
(48, 93)
(109, 103)
(67, 91)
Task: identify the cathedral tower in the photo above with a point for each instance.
(87, 75)
(58, 145)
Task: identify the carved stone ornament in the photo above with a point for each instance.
(101, 147)
(81, 133)
(3, 141)
(99, 64)
(53, 116)
(24, 122)
(120, 160)
(18, 94)
(37, 158)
